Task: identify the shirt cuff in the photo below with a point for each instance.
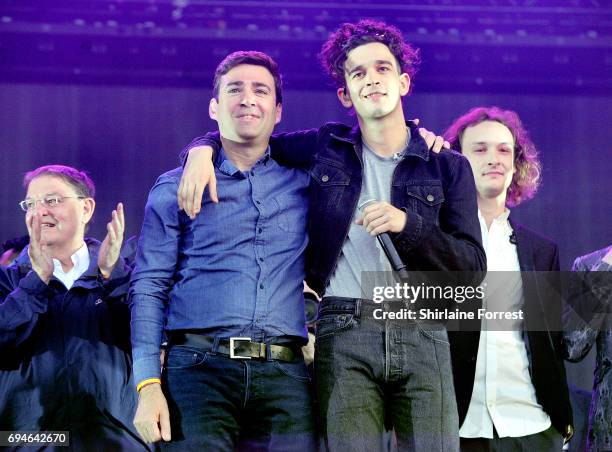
(33, 285)
(146, 369)
(120, 270)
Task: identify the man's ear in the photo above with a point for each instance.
(345, 98)
(279, 113)
(404, 80)
(89, 205)
(212, 108)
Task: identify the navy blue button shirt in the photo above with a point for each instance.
(236, 270)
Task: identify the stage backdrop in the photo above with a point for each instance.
(127, 136)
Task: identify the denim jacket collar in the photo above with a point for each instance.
(416, 147)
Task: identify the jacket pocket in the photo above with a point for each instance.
(425, 199)
(328, 188)
(328, 175)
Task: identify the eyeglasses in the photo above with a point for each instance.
(49, 202)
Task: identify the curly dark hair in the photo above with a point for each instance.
(249, 57)
(526, 179)
(349, 36)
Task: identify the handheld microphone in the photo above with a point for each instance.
(388, 247)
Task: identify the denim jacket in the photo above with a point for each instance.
(436, 191)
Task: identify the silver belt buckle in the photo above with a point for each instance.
(232, 346)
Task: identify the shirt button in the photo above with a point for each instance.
(260, 230)
(252, 173)
(430, 198)
(325, 178)
(258, 202)
(261, 286)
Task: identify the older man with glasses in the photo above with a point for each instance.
(64, 326)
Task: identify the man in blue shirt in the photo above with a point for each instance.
(227, 286)
(371, 374)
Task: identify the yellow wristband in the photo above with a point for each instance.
(147, 382)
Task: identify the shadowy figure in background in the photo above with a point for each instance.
(11, 249)
(593, 327)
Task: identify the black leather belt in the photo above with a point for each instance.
(235, 347)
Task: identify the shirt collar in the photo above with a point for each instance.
(226, 166)
(80, 260)
(501, 218)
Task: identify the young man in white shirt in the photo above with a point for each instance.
(511, 387)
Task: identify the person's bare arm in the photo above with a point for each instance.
(152, 419)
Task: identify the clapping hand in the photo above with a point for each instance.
(38, 251)
(111, 246)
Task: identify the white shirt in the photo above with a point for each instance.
(503, 395)
(80, 260)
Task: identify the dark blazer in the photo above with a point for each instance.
(542, 335)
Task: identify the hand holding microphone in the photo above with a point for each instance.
(380, 218)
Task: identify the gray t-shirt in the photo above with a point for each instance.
(361, 252)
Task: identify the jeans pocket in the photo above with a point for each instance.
(437, 333)
(294, 369)
(332, 324)
(182, 357)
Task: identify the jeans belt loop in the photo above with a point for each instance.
(358, 308)
(267, 351)
(215, 345)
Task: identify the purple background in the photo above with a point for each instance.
(118, 88)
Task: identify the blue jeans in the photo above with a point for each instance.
(222, 404)
(374, 374)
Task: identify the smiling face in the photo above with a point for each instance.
(246, 109)
(489, 147)
(63, 226)
(374, 85)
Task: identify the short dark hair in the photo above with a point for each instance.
(526, 180)
(249, 57)
(335, 50)
(79, 180)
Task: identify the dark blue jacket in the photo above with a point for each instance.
(65, 354)
(435, 190)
